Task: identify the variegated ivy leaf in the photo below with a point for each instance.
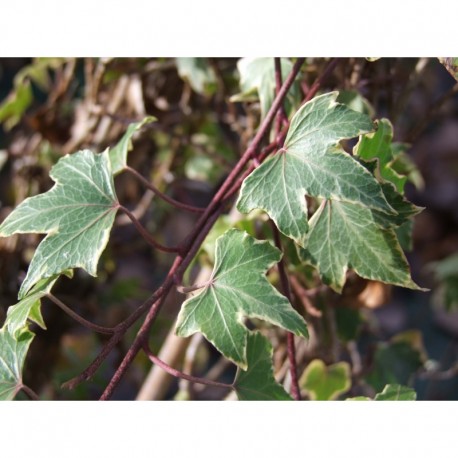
(344, 235)
(12, 357)
(118, 154)
(238, 289)
(378, 146)
(29, 308)
(310, 163)
(257, 383)
(77, 214)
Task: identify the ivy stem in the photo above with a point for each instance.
(281, 115)
(29, 392)
(78, 318)
(319, 81)
(144, 233)
(163, 196)
(295, 390)
(190, 246)
(176, 373)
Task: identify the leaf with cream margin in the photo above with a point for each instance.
(12, 357)
(237, 289)
(311, 163)
(118, 154)
(77, 214)
(257, 383)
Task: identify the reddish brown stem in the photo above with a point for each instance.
(281, 115)
(144, 233)
(176, 373)
(30, 393)
(189, 246)
(295, 390)
(78, 318)
(319, 81)
(163, 196)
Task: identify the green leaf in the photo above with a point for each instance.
(310, 163)
(29, 308)
(257, 76)
(344, 235)
(325, 383)
(390, 393)
(197, 72)
(355, 101)
(12, 359)
(394, 363)
(257, 383)
(118, 154)
(238, 289)
(396, 393)
(77, 214)
(15, 105)
(378, 146)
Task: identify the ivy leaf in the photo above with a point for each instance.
(77, 214)
(310, 163)
(118, 154)
(238, 289)
(257, 383)
(377, 146)
(12, 357)
(197, 72)
(257, 76)
(325, 383)
(344, 235)
(394, 363)
(14, 106)
(396, 393)
(390, 393)
(29, 308)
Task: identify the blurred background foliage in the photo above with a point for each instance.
(206, 115)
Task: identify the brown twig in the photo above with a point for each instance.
(295, 390)
(179, 374)
(78, 318)
(163, 196)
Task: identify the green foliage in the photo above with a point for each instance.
(118, 154)
(29, 308)
(237, 290)
(258, 382)
(197, 72)
(12, 356)
(21, 97)
(309, 163)
(325, 383)
(446, 272)
(394, 363)
(257, 80)
(77, 214)
(451, 64)
(396, 393)
(392, 392)
(344, 235)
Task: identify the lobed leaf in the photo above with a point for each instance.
(396, 393)
(311, 164)
(238, 289)
(344, 235)
(325, 383)
(118, 154)
(77, 214)
(29, 308)
(257, 383)
(12, 357)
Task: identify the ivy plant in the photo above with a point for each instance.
(332, 211)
